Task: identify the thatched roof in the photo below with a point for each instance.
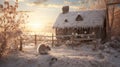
(89, 18)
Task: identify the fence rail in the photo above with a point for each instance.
(53, 41)
(53, 38)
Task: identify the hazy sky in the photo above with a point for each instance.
(44, 12)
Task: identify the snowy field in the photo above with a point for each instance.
(81, 56)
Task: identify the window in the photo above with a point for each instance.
(79, 18)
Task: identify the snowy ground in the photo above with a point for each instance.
(81, 56)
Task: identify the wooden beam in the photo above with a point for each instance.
(113, 3)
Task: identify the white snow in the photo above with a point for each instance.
(81, 56)
(91, 18)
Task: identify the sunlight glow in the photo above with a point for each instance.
(38, 23)
(35, 23)
(34, 26)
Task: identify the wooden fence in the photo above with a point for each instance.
(36, 39)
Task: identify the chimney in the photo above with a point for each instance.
(65, 9)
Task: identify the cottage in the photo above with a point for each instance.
(80, 22)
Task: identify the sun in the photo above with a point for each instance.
(34, 26)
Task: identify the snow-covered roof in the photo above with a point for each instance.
(90, 18)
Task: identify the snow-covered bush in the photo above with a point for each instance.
(114, 43)
(43, 49)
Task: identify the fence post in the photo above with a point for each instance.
(72, 38)
(35, 39)
(52, 40)
(21, 43)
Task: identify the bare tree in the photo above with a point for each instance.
(11, 22)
